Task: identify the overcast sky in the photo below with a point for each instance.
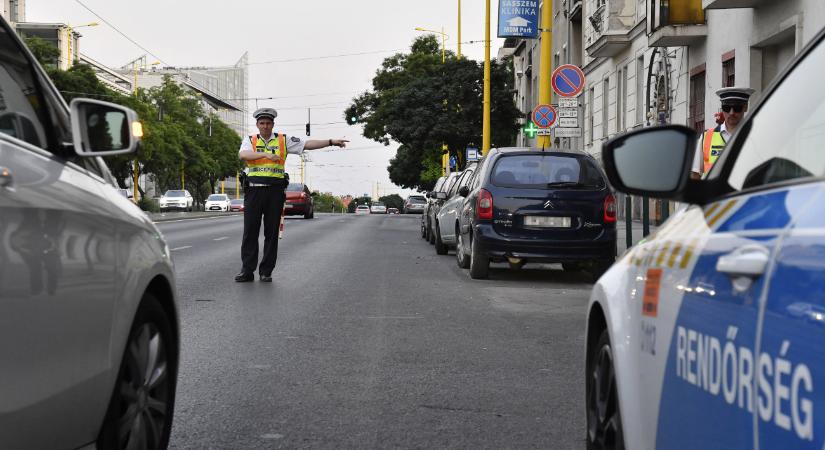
(217, 33)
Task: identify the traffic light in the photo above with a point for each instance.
(352, 119)
(307, 128)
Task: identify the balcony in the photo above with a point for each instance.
(731, 4)
(575, 11)
(612, 25)
(609, 44)
(676, 23)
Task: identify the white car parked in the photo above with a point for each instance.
(176, 199)
(218, 202)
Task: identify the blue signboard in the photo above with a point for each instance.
(452, 162)
(518, 18)
(472, 154)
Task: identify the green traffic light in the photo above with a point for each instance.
(353, 119)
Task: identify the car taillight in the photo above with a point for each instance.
(609, 209)
(484, 205)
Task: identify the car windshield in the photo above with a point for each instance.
(216, 197)
(295, 187)
(363, 207)
(378, 204)
(237, 201)
(174, 194)
(540, 171)
(417, 199)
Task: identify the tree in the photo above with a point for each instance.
(359, 201)
(423, 104)
(45, 53)
(392, 201)
(327, 202)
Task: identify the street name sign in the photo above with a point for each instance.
(567, 132)
(518, 18)
(567, 80)
(568, 122)
(544, 116)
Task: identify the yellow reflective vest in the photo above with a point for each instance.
(264, 170)
(712, 145)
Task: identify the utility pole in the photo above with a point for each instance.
(459, 29)
(485, 146)
(545, 62)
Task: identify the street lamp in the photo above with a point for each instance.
(444, 37)
(69, 32)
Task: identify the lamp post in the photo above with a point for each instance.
(69, 32)
(136, 167)
(485, 130)
(444, 37)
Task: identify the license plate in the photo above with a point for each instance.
(287, 204)
(547, 222)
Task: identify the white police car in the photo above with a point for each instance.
(711, 333)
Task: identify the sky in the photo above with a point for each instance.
(186, 33)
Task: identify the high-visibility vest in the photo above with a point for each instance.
(264, 170)
(712, 145)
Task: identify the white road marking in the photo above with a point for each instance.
(194, 220)
(181, 248)
(221, 238)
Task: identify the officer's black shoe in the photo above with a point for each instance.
(244, 277)
(266, 278)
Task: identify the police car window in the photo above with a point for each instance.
(23, 112)
(785, 136)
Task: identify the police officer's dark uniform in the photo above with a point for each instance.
(264, 191)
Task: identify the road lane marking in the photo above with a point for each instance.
(181, 248)
(221, 238)
(394, 317)
(197, 219)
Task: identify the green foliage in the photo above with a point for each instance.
(45, 53)
(392, 201)
(148, 204)
(423, 103)
(327, 203)
(359, 201)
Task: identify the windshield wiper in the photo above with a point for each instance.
(565, 184)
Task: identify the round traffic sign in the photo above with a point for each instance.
(567, 80)
(544, 116)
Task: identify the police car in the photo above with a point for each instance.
(711, 332)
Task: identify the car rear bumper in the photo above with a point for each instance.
(414, 210)
(296, 208)
(499, 248)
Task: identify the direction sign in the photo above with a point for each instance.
(569, 122)
(544, 116)
(568, 102)
(568, 112)
(567, 80)
(567, 132)
(518, 18)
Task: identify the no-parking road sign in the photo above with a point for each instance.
(568, 80)
(544, 116)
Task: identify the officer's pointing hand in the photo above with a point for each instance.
(339, 142)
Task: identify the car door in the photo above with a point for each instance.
(448, 214)
(57, 269)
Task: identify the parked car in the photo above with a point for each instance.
(362, 209)
(126, 193)
(236, 204)
(526, 206)
(438, 197)
(378, 208)
(430, 200)
(414, 204)
(710, 332)
(217, 202)
(176, 199)
(447, 214)
(299, 201)
(392, 210)
(87, 287)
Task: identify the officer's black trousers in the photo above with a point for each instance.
(267, 203)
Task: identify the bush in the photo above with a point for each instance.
(148, 204)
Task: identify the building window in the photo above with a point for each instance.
(728, 69)
(590, 115)
(696, 106)
(640, 95)
(605, 105)
(621, 97)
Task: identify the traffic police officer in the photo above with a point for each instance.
(734, 105)
(264, 191)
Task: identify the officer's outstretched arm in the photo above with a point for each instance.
(315, 144)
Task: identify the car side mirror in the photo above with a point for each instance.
(464, 191)
(429, 194)
(653, 162)
(441, 195)
(102, 128)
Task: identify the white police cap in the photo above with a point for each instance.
(265, 112)
(735, 94)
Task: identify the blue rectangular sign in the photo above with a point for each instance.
(472, 154)
(518, 18)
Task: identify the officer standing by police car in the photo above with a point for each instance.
(264, 190)
(713, 141)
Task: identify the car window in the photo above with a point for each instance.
(453, 184)
(295, 187)
(784, 137)
(23, 111)
(438, 184)
(216, 197)
(174, 194)
(537, 171)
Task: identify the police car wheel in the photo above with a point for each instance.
(604, 422)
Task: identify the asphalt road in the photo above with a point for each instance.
(368, 339)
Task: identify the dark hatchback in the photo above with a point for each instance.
(526, 205)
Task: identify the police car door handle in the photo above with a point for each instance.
(747, 261)
(5, 177)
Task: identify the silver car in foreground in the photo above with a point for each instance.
(88, 316)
